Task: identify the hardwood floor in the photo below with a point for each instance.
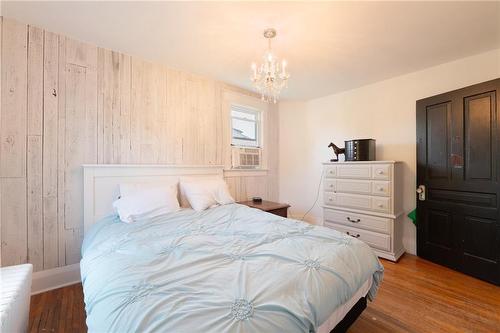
(416, 296)
(59, 310)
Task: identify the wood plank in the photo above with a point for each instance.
(35, 81)
(75, 142)
(14, 224)
(160, 114)
(192, 144)
(51, 93)
(101, 54)
(226, 129)
(91, 107)
(13, 120)
(61, 150)
(80, 141)
(136, 107)
(34, 147)
(125, 102)
(272, 152)
(174, 117)
(73, 238)
(115, 129)
(148, 134)
(35, 205)
(1, 91)
(110, 93)
(219, 123)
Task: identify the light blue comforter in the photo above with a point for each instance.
(227, 269)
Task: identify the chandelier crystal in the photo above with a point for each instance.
(271, 76)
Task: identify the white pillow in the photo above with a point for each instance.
(147, 204)
(204, 193)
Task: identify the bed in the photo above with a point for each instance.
(230, 268)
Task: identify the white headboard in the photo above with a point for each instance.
(101, 183)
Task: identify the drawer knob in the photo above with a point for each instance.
(381, 189)
(380, 172)
(355, 236)
(331, 185)
(353, 221)
(380, 205)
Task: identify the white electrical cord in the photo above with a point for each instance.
(317, 196)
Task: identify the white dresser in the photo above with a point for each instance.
(364, 200)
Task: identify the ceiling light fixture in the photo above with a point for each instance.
(271, 76)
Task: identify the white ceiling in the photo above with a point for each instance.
(330, 46)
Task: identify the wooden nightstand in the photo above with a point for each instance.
(275, 208)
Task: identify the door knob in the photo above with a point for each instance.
(421, 192)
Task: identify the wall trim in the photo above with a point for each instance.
(245, 172)
(55, 278)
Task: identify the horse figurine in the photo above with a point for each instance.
(337, 151)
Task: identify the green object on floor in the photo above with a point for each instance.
(413, 216)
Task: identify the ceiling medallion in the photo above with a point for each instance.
(271, 76)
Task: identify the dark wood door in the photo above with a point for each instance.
(458, 162)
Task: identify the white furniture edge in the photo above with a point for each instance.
(397, 216)
(15, 287)
(101, 181)
(387, 255)
(55, 278)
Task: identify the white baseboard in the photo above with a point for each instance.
(55, 278)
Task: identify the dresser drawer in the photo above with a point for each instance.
(369, 187)
(358, 201)
(331, 171)
(330, 185)
(368, 222)
(360, 171)
(354, 186)
(381, 188)
(348, 186)
(381, 171)
(381, 204)
(374, 239)
(330, 198)
(353, 200)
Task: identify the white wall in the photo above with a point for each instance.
(384, 111)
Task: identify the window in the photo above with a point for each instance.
(245, 126)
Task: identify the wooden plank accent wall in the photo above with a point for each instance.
(65, 103)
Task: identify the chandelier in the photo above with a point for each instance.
(271, 76)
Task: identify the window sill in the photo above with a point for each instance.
(245, 172)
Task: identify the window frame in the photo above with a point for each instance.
(236, 142)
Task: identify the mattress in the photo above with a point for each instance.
(227, 269)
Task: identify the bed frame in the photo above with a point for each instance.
(350, 317)
(101, 188)
(101, 183)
